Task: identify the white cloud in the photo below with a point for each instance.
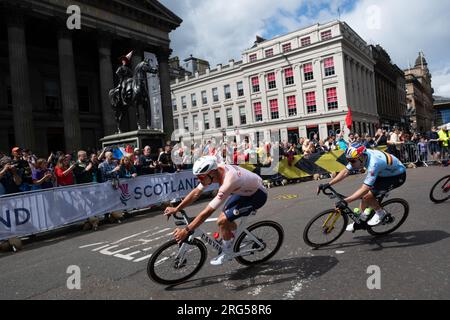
(219, 30)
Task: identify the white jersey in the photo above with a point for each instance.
(237, 181)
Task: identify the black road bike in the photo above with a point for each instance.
(329, 225)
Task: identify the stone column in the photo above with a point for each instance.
(166, 101)
(69, 94)
(106, 83)
(20, 82)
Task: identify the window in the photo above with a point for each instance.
(289, 76)
(252, 57)
(292, 106)
(51, 95)
(258, 111)
(174, 104)
(329, 67)
(255, 84)
(311, 102)
(83, 99)
(242, 115)
(271, 80)
(308, 72)
(305, 41)
(204, 98)
(326, 35)
(269, 53)
(217, 117)
(240, 89)
(227, 91)
(183, 102)
(215, 93)
(332, 99)
(175, 124)
(194, 100)
(195, 122)
(274, 114)
(229, 117)
(185, 124)
(206, 120)
(286, 47)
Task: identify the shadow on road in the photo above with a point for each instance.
(395, 240)
(268, 273)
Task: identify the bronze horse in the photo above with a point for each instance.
(134, 92)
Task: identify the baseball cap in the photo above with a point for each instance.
(16, 149)
(136, 149)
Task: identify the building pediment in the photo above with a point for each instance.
(152, 8)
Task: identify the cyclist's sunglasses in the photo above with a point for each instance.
(203, 177)
(353, 161)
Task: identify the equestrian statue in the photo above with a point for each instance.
(132, 90)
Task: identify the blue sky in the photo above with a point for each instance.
(219, 30)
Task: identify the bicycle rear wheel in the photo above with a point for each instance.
(173, 263)
(271, 235)
(325, 228)
(397, 211)
(440, 192)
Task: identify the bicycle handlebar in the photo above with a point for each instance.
(182, 217)
(333, 194)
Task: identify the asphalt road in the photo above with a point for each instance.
(414, 262)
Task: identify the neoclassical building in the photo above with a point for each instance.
(54, 81)
(390, 88)
(291, 86)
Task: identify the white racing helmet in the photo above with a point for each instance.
(204, 165)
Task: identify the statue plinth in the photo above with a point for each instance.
(136, 139)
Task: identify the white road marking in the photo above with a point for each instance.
(143, 258)
(91, 245)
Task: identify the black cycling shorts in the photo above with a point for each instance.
(388, 183)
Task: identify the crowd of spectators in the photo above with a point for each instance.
(23, 171)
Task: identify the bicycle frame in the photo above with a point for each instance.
(347, 211)
(199, 233)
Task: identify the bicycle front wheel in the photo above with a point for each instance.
(269, 233)
(173, 263)
(325, 228)
(397, 211)
(440, 192)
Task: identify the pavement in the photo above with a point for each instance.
(412, 263)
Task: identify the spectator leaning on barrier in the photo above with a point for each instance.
(83, 169)
(443, 139)
(10, 180)
(127, 169)
(165, 160)
(433, 143)
(147, 163)
(64, 171)
(423, 151)
(108, 168)
(380, 138)
(96, 176)
(23, 169)
(42, 176)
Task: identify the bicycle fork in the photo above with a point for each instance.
(328, 228)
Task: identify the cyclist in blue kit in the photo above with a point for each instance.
(384, 173)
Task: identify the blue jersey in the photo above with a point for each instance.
(380, 164)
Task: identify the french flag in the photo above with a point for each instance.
(120, 152)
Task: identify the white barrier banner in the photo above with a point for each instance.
(34, 212)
